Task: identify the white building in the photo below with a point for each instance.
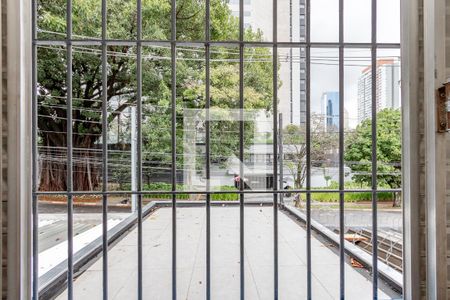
(388, 88)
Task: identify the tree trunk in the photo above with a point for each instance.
(397, 200)
(86, 167)
(86, 172)
(298, 200)
(53, 174)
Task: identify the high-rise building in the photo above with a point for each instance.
(330, 111)
(292, 74)
(387, 89)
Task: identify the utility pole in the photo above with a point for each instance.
(280, 153)
(291, 92)
(133, 158)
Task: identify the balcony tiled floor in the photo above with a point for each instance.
(225, 284)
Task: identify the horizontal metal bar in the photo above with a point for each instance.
(42, 193)
(95, 42)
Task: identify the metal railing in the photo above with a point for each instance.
(139, 42)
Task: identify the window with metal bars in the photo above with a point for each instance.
(178, 113)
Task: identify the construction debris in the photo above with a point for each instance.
(355, 238)
(355, 263)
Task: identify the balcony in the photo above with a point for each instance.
(225, 253)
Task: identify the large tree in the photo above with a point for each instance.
(121, 80)
(358, 152)
(323, 147)
(224, 99)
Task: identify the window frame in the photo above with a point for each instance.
(139, 43)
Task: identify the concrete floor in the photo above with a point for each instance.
(225, 282)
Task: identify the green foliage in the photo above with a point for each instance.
(121, 176)
(159, 186)
(225, 197)
(156, 75)
(358, 152)
(350, 197)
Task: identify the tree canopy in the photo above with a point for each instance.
(358, 152)
(156, 81)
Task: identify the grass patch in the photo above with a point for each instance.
(225, 197)
(350, 197)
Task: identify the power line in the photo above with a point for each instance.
(295, 59)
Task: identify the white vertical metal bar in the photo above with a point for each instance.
(281, 153)
(291, 90)
(134, 154)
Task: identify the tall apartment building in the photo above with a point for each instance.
(292, 93)
(387, 89)
(330, 112)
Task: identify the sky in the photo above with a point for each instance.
(325, 28)
(357, 28)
